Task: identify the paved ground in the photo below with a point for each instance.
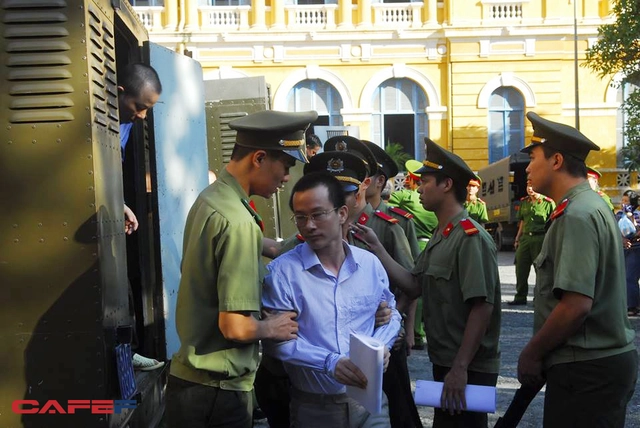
(516, 331)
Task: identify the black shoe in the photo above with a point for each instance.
(258, 414)
(517, 303)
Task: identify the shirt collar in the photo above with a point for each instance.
(228, 179)
(310, 259)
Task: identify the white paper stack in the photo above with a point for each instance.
(368, 354)
(479, 398)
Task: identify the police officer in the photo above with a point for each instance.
(533, 212)
(583, 344)
(218, 309)
(593, 176)
(425, 221)
(457, 275)
(476, 207)
(396, 381)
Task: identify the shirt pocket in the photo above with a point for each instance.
(359, 306)
(543, 265)
(439, 288)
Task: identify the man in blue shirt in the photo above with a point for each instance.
(335, 288)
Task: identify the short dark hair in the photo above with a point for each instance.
(313, 141)
(135, 77)
(316, 179)
(240, 152)
(633, 199)
(574, 166)
(459, 188)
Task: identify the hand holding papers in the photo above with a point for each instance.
(368, 354)
(479, 398)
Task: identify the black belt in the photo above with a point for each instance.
(534, 233)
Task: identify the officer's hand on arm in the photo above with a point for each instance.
(383, 314)
(348, 373)
(281, 326)
(453, 397)
(368, 236)
(271, 248)
(130, 221)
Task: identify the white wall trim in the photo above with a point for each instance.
(506, 79)
(311, 72)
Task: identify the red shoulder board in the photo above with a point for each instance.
(548, 199)
(559, 210)
(481, 201)
(403, 213)
(386, 217)
(300, 237)
(600, 192)
(468, 227)
(447, 230)
(363, 218)
(524, 198)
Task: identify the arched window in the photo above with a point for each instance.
(506, 123)
(317, 95)
(399, 116)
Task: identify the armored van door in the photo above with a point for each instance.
(63, 286)
(179, 133)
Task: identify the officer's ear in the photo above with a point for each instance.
(258, 157)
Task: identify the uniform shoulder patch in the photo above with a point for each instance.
(481, 201)
(548, 199)
(559, 210)
(300, 237)
(468, 227)
(386, 217)
(524, 198)
(403, 213)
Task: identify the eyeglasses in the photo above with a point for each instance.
(316, 217)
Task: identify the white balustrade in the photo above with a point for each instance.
(224, 17)
(321, 16)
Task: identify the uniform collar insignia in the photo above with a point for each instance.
(363, 218)
(447, 230)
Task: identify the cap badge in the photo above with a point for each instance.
(335, 165)
(341, 146)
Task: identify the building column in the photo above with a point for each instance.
(431, 11)
(277, 15)
(364, 13)
(259, 13)
(171, 15)
(191, 16)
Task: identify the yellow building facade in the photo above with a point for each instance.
(464, 73)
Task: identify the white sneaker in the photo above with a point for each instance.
(145, 364)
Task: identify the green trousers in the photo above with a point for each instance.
(527, 251)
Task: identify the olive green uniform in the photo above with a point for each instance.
(534, 214)
(425, 222)
(396, 382)
(477, 210)
(582, 253)
(221, 272)
(405, 221)
(454, 268)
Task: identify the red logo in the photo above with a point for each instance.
(53, 406)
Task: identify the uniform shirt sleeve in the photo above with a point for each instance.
(578, 240)
(477, 269)
(238, 268)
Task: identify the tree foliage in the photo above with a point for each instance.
(618, 51)
(397, 153)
